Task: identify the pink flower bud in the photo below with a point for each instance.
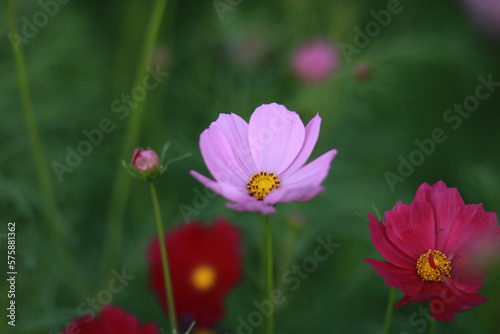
(315, 60)
(145, 161)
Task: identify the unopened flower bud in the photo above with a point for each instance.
(145, 162)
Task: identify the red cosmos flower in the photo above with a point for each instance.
(112, 320)
(434, 246)
(205, 264)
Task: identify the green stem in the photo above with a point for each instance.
(164, 260)
(432, 326)
(40, 163)
(121, 186)
(269, 247)
(388, 312)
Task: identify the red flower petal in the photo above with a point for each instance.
(111, 320)
(471, 229)
(386, 248)
(411, 228)
(115, 321)
(428, 291)
(444, 308)
(405, 280)
(446, 203)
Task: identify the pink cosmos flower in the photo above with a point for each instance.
(111, 320)
(315, 60)
(433, 247)
(145, 161)
(260, 164)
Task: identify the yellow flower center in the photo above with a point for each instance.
(432, 265)
(203, 277)
(261, 184)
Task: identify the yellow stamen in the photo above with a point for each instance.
(261, 184)
(203, 277)
(432, 265)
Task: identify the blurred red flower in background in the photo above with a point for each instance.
(205, 264)
(111, 320)
(437, 248)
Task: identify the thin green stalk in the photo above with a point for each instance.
(432, 326)
(388, 312)
(164, 260)
(42, 171)
(121, 186)
(269, 247)
(40, 163)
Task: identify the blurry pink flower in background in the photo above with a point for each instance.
(261, 163)
(145, 161)
(315, 60)
(485, 14)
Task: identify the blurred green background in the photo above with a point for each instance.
(426, 60)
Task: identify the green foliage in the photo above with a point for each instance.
(426, 60)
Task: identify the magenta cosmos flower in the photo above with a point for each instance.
(434, 246)
(315, 60)
(260, 164)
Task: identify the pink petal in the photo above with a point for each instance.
(293, 194)
(235, 130)
(311, 137)
(446, 202)
(407, 281)
(252, 206)
(411, 228)
(224, 189)
(386, 248)
(311, 174)
(220, 159)
(276, 136)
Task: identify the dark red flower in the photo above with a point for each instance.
(111, 320)
(434, 247)
(205, 264)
